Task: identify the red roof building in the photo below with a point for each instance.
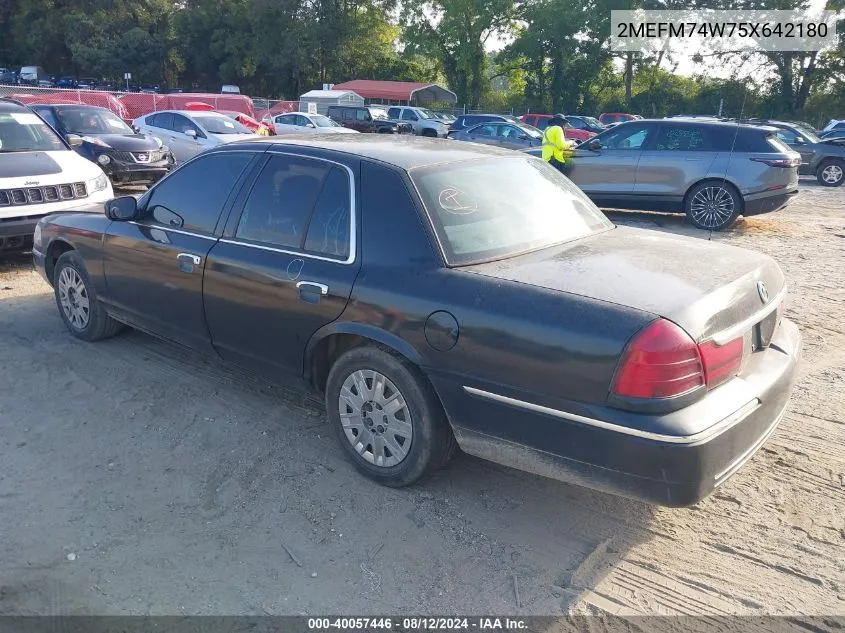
(401, 91)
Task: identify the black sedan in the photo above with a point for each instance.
(444, 294)
(128, 158)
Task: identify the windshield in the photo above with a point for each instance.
(323, 121)
(378, 113)
(427, 114)
(91, 121)
(808, 135)
(221, 125)
(592, 122)
(497, 208)
(26, 132)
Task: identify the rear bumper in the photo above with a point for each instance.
(635, 455)
(767, 202)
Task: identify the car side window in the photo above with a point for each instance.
(182, 124)
(329, 227)
(349, 115)
(485, 130)
(681, 139)
(626, 137)
(163, 120)
(209, 181)
(542, 123)
(285, 119)
(787, 136)
(577, 123)
(280, 203)
(47, 115)
(409, 115)
(394, 113)
(509, 131)
(362, 114)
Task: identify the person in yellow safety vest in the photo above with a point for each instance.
(557, 151)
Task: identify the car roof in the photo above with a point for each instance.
(403, 151)
(12, 106)
(187, 113)
(69, 105)
(714, 123)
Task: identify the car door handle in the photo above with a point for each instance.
(187, 262)
(303, 285)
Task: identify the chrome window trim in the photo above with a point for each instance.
(735, 331)
(353, 232)
(717, 429)
(168, 229)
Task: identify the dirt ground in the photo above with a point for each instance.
(137, 478)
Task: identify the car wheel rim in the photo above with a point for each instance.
(712, 206)
(832, 173)
(375, 418)
(74, 298)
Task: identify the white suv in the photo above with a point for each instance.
(425, 122)
(40, 174)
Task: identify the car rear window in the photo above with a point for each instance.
(494, 208)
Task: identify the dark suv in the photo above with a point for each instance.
(370, 119)
(822, 158)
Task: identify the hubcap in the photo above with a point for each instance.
(375, 418)
(712, 206)
(832, 173)
(74, 298)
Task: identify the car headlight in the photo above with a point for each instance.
(104, 159)
(100, 183)
(95, 141)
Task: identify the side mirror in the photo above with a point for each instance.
(311, 125)
(136, 129)
(191, 133)
(524, 137)
(74, 140)
(798, 141)
(122, 209)
(594, 145)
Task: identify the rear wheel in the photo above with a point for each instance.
(831, 173)
(387, 417)
(429, 132)
(713, 205)
(81, 310)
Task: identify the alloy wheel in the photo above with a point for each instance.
(375, 417)
(74, 298)
(832, 174)
(712, 207)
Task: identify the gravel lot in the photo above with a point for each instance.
(138, 478)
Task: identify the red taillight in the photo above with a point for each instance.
(721, 362)
(779, 162)
(660, 362)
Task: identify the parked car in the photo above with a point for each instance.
(302, 122)
(509, 135)
(447, 117)
(617, 117)
(188, 133)
(127, 158)
(470, 120)
(585, 123)
(39, 174)
(711, 171)
(834, 124)
(87, 83)
(370, 119)
(441, 294)
(67, 83)
(822, 158)
(8, 76)
(541, 122)
(833, 134)
(424, 122)
(32, 75)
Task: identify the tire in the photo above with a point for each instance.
(831, 172)
(368, 383)
(713, 205)
(79, 307)
(429, 133)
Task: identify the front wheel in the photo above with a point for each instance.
(713, 205)
(830, 173)
(81, 310)
(387, 417)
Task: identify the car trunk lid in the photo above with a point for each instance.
(711, 290)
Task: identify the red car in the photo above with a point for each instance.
(259, 127)
(542, 120)
(606, 118)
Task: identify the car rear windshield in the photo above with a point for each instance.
(500, 207)
(221, 125)
(26, 132)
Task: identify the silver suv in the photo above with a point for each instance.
(425, 122)
(711, 171)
